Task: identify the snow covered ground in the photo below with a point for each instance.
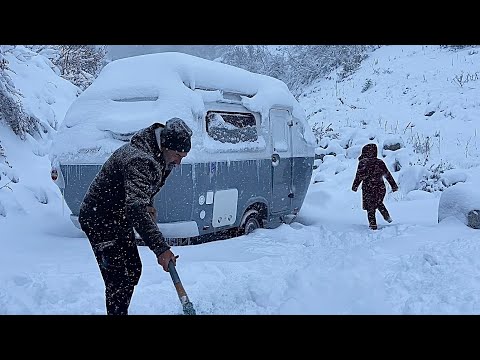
(328, 261)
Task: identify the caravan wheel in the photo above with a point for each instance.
(251, 222)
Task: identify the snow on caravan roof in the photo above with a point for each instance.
(132, 93)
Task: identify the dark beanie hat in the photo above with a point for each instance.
(176, 135)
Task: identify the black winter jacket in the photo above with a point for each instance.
(118, 197)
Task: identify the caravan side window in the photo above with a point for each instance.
(231, 127)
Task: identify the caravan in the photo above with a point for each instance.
(252, 150)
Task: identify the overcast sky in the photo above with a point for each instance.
(120, 51)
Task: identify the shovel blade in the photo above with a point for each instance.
(188, 309)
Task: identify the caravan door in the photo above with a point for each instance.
(280, 130)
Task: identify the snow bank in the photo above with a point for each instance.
(409, 178)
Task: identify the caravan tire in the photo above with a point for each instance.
(251, 223)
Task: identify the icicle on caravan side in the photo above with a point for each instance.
(252, 150)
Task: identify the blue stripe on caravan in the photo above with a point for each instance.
(180, 198)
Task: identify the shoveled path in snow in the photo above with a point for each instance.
(322, 264)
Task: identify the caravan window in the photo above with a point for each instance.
(231, 127)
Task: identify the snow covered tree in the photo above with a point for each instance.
(297, 65)
(80, 64)
(307, 63)
(255, 58)
(11, 110)
(249, 57)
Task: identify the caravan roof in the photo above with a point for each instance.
(132, 93)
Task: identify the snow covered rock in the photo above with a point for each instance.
(473, 219)
(392, 143)
(463, 202)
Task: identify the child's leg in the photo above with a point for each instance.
(383, 210)
(371, 219)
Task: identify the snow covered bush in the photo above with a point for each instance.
(368, 84)
(434, 179)
(324, 132)
(422, 145)
(7, 176)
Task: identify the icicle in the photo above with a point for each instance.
(63, 201)
(210, 169)
(258, 170)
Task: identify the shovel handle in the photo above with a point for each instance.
(173, 272)
(182, 294)
(188, 308)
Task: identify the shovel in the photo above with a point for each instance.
(182, 295)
